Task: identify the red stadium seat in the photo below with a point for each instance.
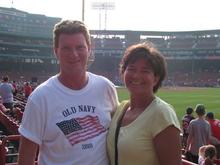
(18, 114)
(11, 125)
(217, 162)
(3, 149)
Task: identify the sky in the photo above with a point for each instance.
(143, 15)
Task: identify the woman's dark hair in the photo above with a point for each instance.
(210, 151)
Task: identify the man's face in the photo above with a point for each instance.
(72, 53)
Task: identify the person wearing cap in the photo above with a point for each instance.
(199, 134)
(185, 124)
(215, 129)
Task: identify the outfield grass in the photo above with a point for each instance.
(182, 97)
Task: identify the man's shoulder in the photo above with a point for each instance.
(99, 79)
(194, 121)
(215, 122)
(97, 76)
(5, 85)
(45, 86)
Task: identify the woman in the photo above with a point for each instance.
(148, 129)
(207, 155)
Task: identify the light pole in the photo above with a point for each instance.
(83, 10)
(103, 6)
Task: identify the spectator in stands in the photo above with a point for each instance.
(215, 129)
(6, 92)
(18, 114)
(145, 127)
(199, 134)
(3, 109)
(14, 84)
(207, 155)
(201, 159)
(185, 124)
(27, 89)
(68, 116)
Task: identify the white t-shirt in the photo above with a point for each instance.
(6, 92)
(70, 125)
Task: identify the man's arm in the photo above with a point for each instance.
(27, 151)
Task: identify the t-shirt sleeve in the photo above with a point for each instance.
(112, 96)
(164, 118)
(33, 121)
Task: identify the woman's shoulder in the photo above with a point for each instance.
(123, 105)
(163, 106)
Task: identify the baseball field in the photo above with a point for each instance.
(182, 97)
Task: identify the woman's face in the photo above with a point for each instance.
(139, 77)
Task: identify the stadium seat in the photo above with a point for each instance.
(11, 125)
(217, 161)
(4, 155)
(3, 148)
(186, 162)
(18, 114)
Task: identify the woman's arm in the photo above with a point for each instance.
(168, 146)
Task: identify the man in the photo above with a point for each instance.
(27, 89)
(199, 134)
(6, 93)
(68, 116)
(215, 129)
(185, 124)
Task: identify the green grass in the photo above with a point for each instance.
(181, 98)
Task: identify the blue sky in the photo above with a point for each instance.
(147, 15)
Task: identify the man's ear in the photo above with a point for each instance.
(156, 80)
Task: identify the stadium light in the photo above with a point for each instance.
(103, 6)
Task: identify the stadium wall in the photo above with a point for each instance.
(26, 45)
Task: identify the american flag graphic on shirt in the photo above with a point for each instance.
(81, 129)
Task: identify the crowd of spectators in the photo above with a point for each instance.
(201, 136)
